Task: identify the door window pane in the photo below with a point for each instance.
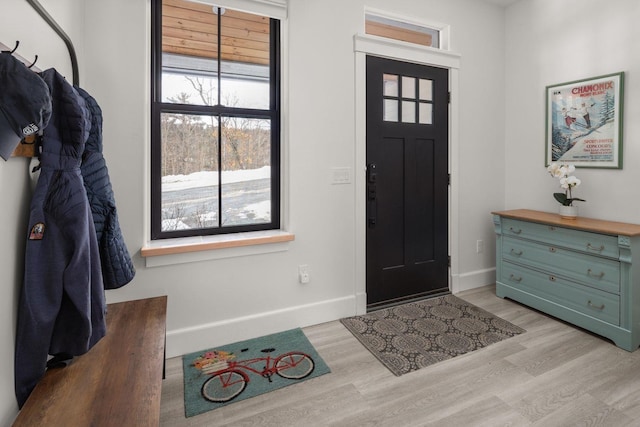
(408, 87)
(390, 113)
(408, 112)
(426, 113)
(390, 85)
(426, 90)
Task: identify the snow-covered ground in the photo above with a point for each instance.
(208, 178)
(259, 212)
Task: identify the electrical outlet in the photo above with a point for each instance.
(479, 246)
(304, 275)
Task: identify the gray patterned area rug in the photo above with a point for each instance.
(414, 335)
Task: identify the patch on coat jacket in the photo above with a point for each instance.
(37, 231)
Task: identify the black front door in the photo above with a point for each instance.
(407, 181)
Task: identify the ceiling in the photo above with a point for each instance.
(503, 3)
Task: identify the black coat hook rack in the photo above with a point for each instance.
(10, 52)
(67, 41)
(33, 63)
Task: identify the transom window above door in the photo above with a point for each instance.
(407, 99)
(383, 26)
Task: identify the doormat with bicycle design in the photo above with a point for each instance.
(234, 372)
(411, 336)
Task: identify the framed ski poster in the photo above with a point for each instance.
(584, 122)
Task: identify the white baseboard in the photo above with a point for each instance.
(201, 337)
(472, 280)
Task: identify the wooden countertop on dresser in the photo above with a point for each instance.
(580, 223)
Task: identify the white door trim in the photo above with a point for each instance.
(372, 45)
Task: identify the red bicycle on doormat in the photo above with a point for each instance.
(229, 378)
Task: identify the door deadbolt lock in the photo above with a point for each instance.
(372, 173)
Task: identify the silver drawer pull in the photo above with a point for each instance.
(518, 231)
(515, 279)
(516, 252)
(592, 274)
(597, 307)
(552, 278)
(552, 249)
(590, 247)
(552, 228)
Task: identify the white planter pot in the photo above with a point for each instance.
(568, 212)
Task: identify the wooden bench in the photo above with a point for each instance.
(117, 383)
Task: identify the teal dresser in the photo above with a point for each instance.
(584, 271)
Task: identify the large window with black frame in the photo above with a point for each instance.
(215, 150)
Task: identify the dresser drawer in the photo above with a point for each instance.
(592, 302)
(584, 241)
(597, 272)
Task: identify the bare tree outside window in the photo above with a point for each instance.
(190, 165)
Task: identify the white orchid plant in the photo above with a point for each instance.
(567, 182)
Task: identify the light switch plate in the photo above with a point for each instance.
(340, 175)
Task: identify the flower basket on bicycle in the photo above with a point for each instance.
(213, 361)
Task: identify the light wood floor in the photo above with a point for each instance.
(552, 375)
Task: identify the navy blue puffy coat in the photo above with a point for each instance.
(62, 305)
(117, 267)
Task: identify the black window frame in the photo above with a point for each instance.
(158, 108)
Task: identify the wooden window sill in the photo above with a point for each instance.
(190, 249)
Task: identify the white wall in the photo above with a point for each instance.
(18, 21)
(217, 301)
(212, 302)
(551, 42)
